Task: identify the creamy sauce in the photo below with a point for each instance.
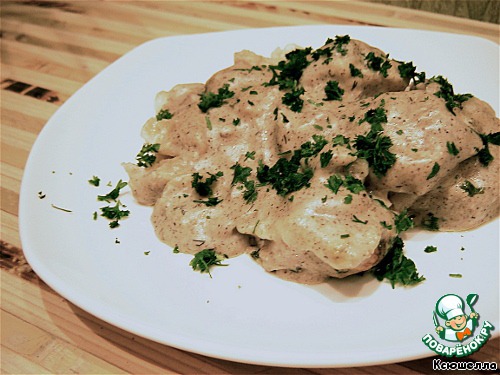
(314, 233)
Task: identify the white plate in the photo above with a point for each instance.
(242, 313)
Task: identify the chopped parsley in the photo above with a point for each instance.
(355, 72)
(339, 43)
(241, 175)
(287, 73)
(236, 121)
(374, 147)
(285, 176)
(385, 225)
(434, 171)
(325, 158)
(403, 221)
(408, 70)
(452, 149)
(210, 202)
(430, 222)
(113, 194)
(350, 182)
(164, 114)
(334, 183)
(211, 100)
(208, 122)
(289, 175)
(147, 155)
(451, 99)
(204, 188)
(205, 259)
(375, 117)
(357, 220)
(484, 154)
(60, 208)
(378, 63)
(456, 275)
(333, 91)
(293, 99)
(470, 189)
(340, 140)
(396, 267)
(95, 181)
(430, 249)
(114, 213)
(250, 155)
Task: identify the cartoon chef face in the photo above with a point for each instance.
(450, 308)
(457, 323)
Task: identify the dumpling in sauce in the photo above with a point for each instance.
(305, 159)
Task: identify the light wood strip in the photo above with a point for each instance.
(379, 14)
(13, 363)
(10, 200)
(13, 156)
(286, 12)
(75, 22)
(63, 64)
(62, 87)
(48, 351)
(239, 13)
(83, 41)
(11, 177)
(9, 228)
(18, 138)
(28, 107)
(160, 20)
(41, 306)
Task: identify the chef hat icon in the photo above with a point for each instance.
(450, 306)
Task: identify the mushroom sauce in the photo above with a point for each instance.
(306, 159)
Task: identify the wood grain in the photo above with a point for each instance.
(54, 48)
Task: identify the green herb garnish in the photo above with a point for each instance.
(114, 213)
(333, 91)
(430, 222)
(396, 267)
(204, 188)
(378, 63)
(355, 72)
(451, 99)
(289, 175)
(357, 220)
(403, 221)
(210, 202)
(452, 149)
(470, 189)
(484, 154)
(430, 249)
(95, 181)
(210, 100)
(434, 171)
(147, 155)
(164, 114)
(113, 194)
(206, 258)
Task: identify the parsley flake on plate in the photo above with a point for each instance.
(397, 268)
(205, 259)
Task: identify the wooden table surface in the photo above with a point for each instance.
(49, 50)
